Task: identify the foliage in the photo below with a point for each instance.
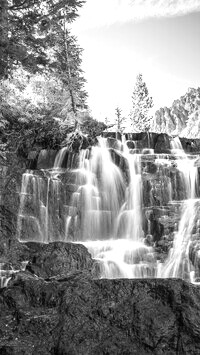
(92, 127)
(24, 26)
(35, 37)
(42, 92)
(142, 103)
(35, 114)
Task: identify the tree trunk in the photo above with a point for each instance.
(3, 39)
(73, 102)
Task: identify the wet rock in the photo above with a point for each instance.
(46, 159)
(112, 143)
(32, 159)
(134, 151)
(143, 139)
(151, 223)
(116, 135)
(130, 144)
(78, 315)
(149, 167)
(163, 144)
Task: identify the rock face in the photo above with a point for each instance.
(11, 170)
(78, 315)
(182, 117)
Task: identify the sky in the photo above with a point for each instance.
(121, 38)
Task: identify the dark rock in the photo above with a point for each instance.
(57, 259)
(78, 315)
(32, 159)
(150, 168)
(190, 145)
(163, 144)
(46, 159)
(130, 144)
(116, 135)
(112, 143)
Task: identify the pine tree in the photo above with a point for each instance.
(24, 28)
(119, 120)
(142, 102)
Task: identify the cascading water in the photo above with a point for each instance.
(41, 198)
(116, 238)
(104, 202)
(177, 263)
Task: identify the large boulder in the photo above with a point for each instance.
(78, 315)
(57, 259)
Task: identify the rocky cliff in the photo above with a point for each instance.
(182, 118)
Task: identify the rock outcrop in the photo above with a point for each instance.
(79, 315)
(182, 117)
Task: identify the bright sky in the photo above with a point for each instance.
(120, 38)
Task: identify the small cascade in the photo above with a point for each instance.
(40, 200)
(6, 272)
(65, 159)
(99, 194)
(122, 258)
(177, 263)
(176, 146)
(129, 222)
(32, 211)
(60, 158)
(5, 275)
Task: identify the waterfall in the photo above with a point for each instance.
(122, 202)
(100, 193)
(116, 244)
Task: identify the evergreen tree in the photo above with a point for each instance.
(142, 102)
(119, 119)
(24, 27)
